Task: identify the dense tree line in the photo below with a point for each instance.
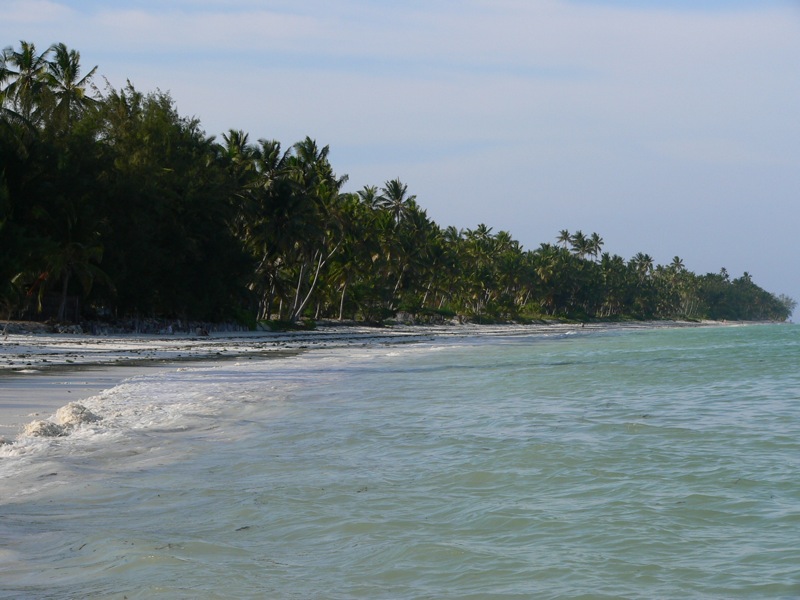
(112, 197)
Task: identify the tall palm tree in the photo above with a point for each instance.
(352, 261)
(580, 244)
(595, 244)
(316, 198)
(613, 272)
(238, 149)
(394, 199)
(25, 72)
(369, 196)
(412, 239)
(564, 238)
(67, 87)
(240, 159)
(642, 264)
(549, 264)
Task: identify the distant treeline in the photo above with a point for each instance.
(113, 205)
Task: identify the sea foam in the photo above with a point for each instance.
(66, 419)
(74, 414)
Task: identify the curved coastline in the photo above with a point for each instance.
(41, 372)
(28, 353)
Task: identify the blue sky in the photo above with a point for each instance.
(668, 127)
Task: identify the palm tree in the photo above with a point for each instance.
(26, 71)
(393, 198)
(369, 195)
(241, 160)
(352, 261)
(549, 264)
(316, 196)
(613, 273)
(68, 88)
(413, 240)
(595, 244)
(580, 244)
(238, 149)
(264, 219)
(642, 264)
(564, 238)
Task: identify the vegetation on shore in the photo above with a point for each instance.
(113, 204)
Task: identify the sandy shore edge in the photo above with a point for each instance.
(41, 372)
(33, 353)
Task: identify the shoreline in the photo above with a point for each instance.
(41, 372)
(34, 352)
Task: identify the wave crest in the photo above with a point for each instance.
(67, 418)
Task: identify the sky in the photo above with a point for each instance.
(668, 127)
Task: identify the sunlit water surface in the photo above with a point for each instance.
(628, 464)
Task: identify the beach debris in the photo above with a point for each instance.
(44, 429)
(74, 414)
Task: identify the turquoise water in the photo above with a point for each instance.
(620, 464)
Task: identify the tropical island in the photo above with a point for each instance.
(113, 205)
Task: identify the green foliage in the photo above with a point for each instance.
(116, 199)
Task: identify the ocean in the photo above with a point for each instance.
(656, 463)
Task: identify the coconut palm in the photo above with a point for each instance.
(549, 261)
(642, 264)
(394, 199)
(369, 196)
(316, 196)
(355, 254)
(238, 151)
(66, 86)
(595, 244)
(580, 244)
(22, 75)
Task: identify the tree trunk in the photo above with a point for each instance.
(270, 296)
(341, 302)
(320, 263)
(392, 304)
(427, 291)
(63, 306)
(297, 290)
(298, 310)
